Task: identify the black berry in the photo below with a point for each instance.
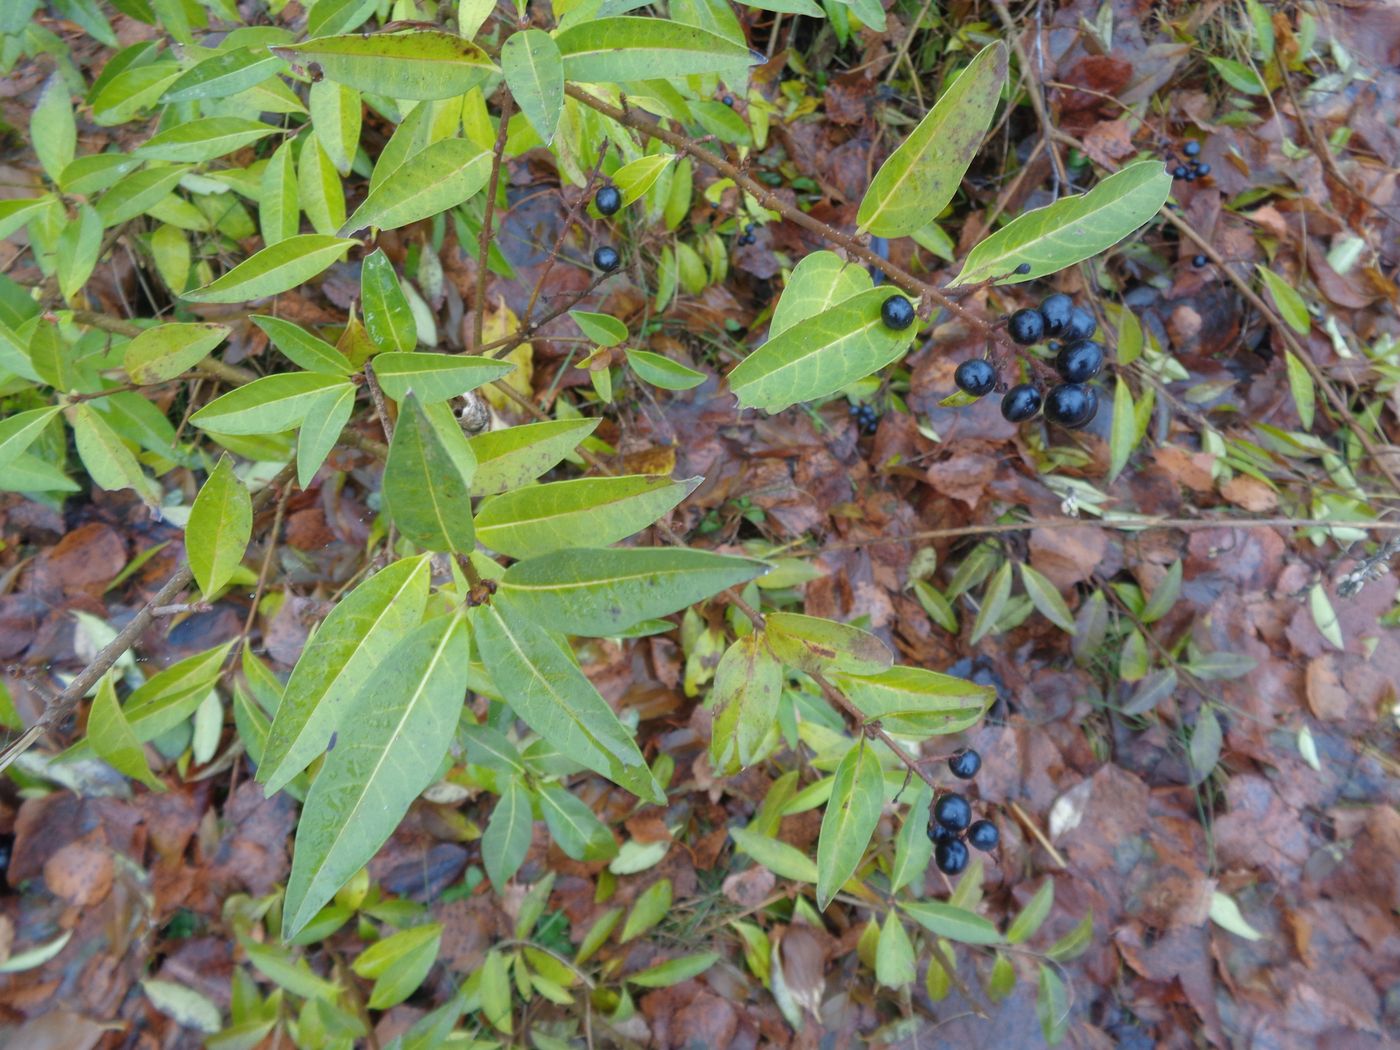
(965, 764)
(1023, 268)
(1068, 404)
(1026, 326)
(1093, 410)
(1203, 170)
(938, 833)
(976, 377)
(607, 259)
(951, 857)
(1199, 261)
(1192, 148)
(984, 836)
(748, 228)
(1081, 325)
(1055, 310)
(1020, 403)
(953, 812)
(607, 200)
(897, 312)
(728, 100)
(1180, 172)
(1079, 362)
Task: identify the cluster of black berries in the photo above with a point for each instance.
(607, 200)
(1191, 169)
(866, 418)
(1072, 403)
(952, 828)
(747, 237)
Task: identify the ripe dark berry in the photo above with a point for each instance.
(607, 259)
(984, 836)
(1067, 404)
(748, 227)
(1026, 326)
(897, 312)
(1203, 170)
(1023, 268)
(1081, 325)
(951, 857)
(965, 764)
(607, 200)
(1079, 362)
(1055, 310)
(1192, 148)
(976, 377)
(1020, 403)
(1089, 415)
(938, 833)
(1199, 261)
(728, 100)
(953, 812)
(1180, 172)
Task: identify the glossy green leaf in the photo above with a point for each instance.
(1290, 304)
(435, 377)
(336, 114)
(894, 954)
(820, 355)
(910, 701)
(302, 348)
(663, 372)
(1164, 595)
(388, 318)
(427, 489)
(1300, 383)
(635, 177)
(810, 643)
(433, 180)
(112, 739)
(575, 827)
(398, 963)
(783, 860)
(912, 847)
(1238, 75)
(648, 909)
(1051, 1005)
(534, 72)
(53, 133)
(674, 971)
(222, 75)
(1206, 742)
(19, 431)
(197, 141)
(138, 191)
(328, 17)
(957, 924)
(546, 689)
(603, 591)
(325, 420)
(857, 796)
(279, 207)
(167, 350)
(1072, 229)
(416, 64)
(584, 512)
(293, 975)
(277, 268)
(79, 246)
(917, 181)
(748, 685)
(15, 213)
(1075, 943)
(1046, 597)
(268, 405)
(604, 50)
(514, 456)
(107, 457)
(219, 528)
(820, 281)
(1122, 440)
(507, 837)
(319, 189)
(603, 329)
(1151, 691)
(390, 742)
(353, 640)
(1033, 915)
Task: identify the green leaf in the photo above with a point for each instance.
(783, 860)
(1034, 914)
(16, 213)
(534, 72)
(912, 848)
(1151, 691)
(350, 644)
(389, 745)
(137, 192)
(220, 525)
(748, 685)
(279, 207)
(338, 16)
(820, 355)
(79, 246)
(515, 456)
(167, 350)
(53, 133)
(957, 924)
(1290, 304)
(1300, 383)
(433, 180)
(894, 954)
(592, 512)
(222, 75)
(1206, 741)
(109, 461)
(662, 371)
(335, 114)
(857, 796)
(427, 486)
(1238, 75)
(302, 348)
(603, 329)
(579, 833)
(205, 139)
(1046, 597)
(19, 431)
(1073, 944)
(268, 405)
(546, 689)
(650, 907)
(325, 419)
(1225, 913)
(294, 975)
(1164, 595)
(820, 281)
(184, 1005)
(604, 50)
(810, 643)
(603, 591)
(435, 377)
(674, 971)
(918, 180)
(1051, 1005)
(1122, 438)
(507, 837)
(1070, 230)
(634, 178)
(1325, 616)
(418, 64)
(910, 701)
(112, 739)
(399, 963)
(388, 318)
(1222, 666)
(319, 188)
(277, 268)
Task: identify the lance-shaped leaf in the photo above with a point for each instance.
(918, 180)
(109, 461)
(820, 281)
(111, 737)
(910, 701)
(857, 795)
(434, 179)
(540, 681)
(395, 733)
(912, 846)
(302, 348)
(515, 456)
(19, 431)
(388, 318)
(279, 207)
(268, 405)
(53, 132)
(661, 371)
(165, 351)
(584, 512)
(427, 488)
(418, 64)
(325, 419)
(957, 924)
(220, 525)
(575, 827)
(196, 141)
(820, 355)
(1072, 229)
(534, 72)
(223, 74)
(137, 192)
(507, 837)
(810, 643)
(603, 50)
(273, 270)
(435, 377)
(358, 634)
(748, 685)
(600, 592)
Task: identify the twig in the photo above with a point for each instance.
(1024, 818)
(565, 228)
(1028, 72)
(381, 409)
(484, 238)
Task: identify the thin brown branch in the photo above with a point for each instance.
(564, 230)
(484, 239)
(1033, 89)
(381, 407)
